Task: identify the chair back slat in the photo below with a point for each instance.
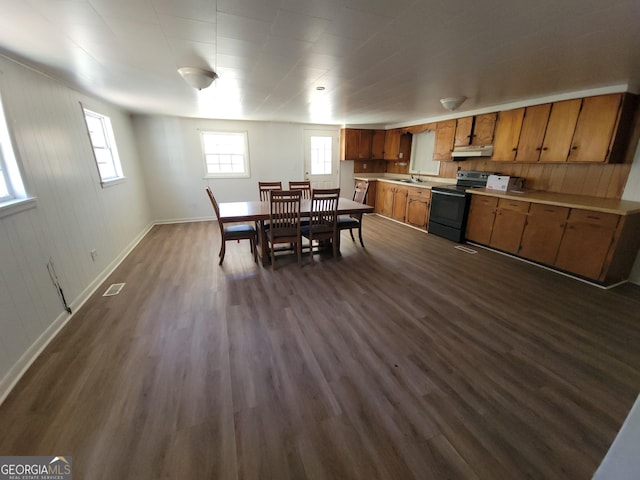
(265, 187)
(304, 186)
(284, 212)
(324, 208)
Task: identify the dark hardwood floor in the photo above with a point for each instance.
(407, 359)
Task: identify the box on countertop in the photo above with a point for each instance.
(503, 183)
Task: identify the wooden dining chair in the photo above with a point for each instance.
(266, 187)
(323, 218)
(305, 187)
(233, 232)
(284, 221)
(349, 222)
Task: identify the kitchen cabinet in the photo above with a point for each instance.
(371, 193)
(392, 144)
(507, 135)
(476, 130)
(559, 132)
(534, 126)
(543, 232)
(399, 211)
(482, 213)
(595, 128)
(418, 205)
(355, 144)
(508, 225)
(384, 198)
(377, 144)
(585, 245)
(445, 133)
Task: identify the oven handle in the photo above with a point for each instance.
(451, 194)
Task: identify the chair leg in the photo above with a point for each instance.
(273, 257)
(351, 232)
(299, 250)
(222, 251)
(254, 248)
(360, 234)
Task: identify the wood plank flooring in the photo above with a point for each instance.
(407, 359)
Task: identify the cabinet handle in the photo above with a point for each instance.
(515, 149)
(545, 148)
(538, 149)
(575, 147)
(593, 217)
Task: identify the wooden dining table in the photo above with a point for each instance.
(258, 211)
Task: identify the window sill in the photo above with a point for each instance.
(112, 182)
(16, 206)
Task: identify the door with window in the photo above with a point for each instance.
(321, 158)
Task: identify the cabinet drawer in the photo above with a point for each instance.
(550, 212)
(607, 220)
(419, 192)
(515, 205)
(481, 200)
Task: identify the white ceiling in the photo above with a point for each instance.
(380, 61)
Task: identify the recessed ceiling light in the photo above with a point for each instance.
(320, 88)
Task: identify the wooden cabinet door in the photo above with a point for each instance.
(483, 129)
(463, 133)
(372, 193)
(585, 245)
(508, 225)
(399, 204)
(543, 233)
(445, 132)
(418, 202)
(377, 145)
(392, 144)
(505, 143)
(560, 129)
(482, 212)
(364, 144)
(534, 126)
(595, 127)
(384, 199)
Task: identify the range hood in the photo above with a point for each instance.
(473, 151)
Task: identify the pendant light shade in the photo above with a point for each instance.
(451, 103)
(196, 77)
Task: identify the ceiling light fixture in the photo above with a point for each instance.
(197, 77)
(451, 103)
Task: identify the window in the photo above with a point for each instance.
(104, 146)
(225, 154)
(13, 196)
(321, 159)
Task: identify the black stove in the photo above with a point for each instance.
(450, 205)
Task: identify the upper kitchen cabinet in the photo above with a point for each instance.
(595, 129)
(534, 126)
(355, 144)
(445, 134)
(377, 144)
(476, 130)
(392, 144)
(559, 130)
(507, 135)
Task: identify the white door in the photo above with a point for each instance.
(321, 158)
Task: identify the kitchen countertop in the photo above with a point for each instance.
(423, 184)
(604, 205)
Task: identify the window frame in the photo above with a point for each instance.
(110, 146)
(17, 199)
(246, 158)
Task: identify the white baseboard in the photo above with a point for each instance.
(16, 372)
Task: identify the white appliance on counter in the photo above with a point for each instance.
(503, 183)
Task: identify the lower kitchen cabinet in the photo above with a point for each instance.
(391, 200)
(482, 213)
(543, 233)
(594, 245)
(586, 242)
(508, 225)
(418, 205)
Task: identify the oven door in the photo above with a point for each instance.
(449, 208)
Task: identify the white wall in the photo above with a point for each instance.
(632, 192)
(73, 213)
(171, 153)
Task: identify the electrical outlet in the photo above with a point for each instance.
(364, 166)
(94, 254)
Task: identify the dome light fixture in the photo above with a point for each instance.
(451, 103)
(196, 77)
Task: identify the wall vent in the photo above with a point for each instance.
(113, 289)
